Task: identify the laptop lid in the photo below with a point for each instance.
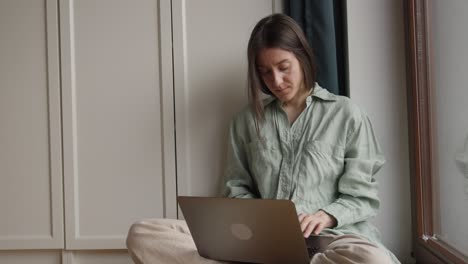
(245, 230)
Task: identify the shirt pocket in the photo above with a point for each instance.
(321, 165)
(264, 160)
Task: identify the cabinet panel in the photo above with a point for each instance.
(31, 203)
(210, 69)
(118, 118)
(101, 257)
(30, 257)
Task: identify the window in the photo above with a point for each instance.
(438, 125)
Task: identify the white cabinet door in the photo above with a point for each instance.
(118, 124)
(210, 70)
(31, 206)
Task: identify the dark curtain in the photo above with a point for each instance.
(323, 22)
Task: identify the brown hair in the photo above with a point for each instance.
(276, 31)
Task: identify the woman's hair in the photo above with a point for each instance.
(276, 31)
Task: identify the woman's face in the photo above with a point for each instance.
(282, 73)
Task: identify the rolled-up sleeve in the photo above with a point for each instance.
(357, 187)
(238, 182)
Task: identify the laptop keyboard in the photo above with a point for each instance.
(312, 250)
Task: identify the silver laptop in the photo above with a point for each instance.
(249, 230)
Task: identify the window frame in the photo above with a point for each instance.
(426, 247)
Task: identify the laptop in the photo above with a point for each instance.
(249, 230)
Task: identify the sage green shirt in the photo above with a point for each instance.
(327, 159)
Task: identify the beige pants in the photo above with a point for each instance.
(169, 241)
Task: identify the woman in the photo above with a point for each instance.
(303, 144)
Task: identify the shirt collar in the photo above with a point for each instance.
(319, 92)
(323, 94)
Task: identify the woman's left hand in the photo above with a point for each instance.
(315, 223)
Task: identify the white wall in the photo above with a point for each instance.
(451, 96)
(377, 84)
